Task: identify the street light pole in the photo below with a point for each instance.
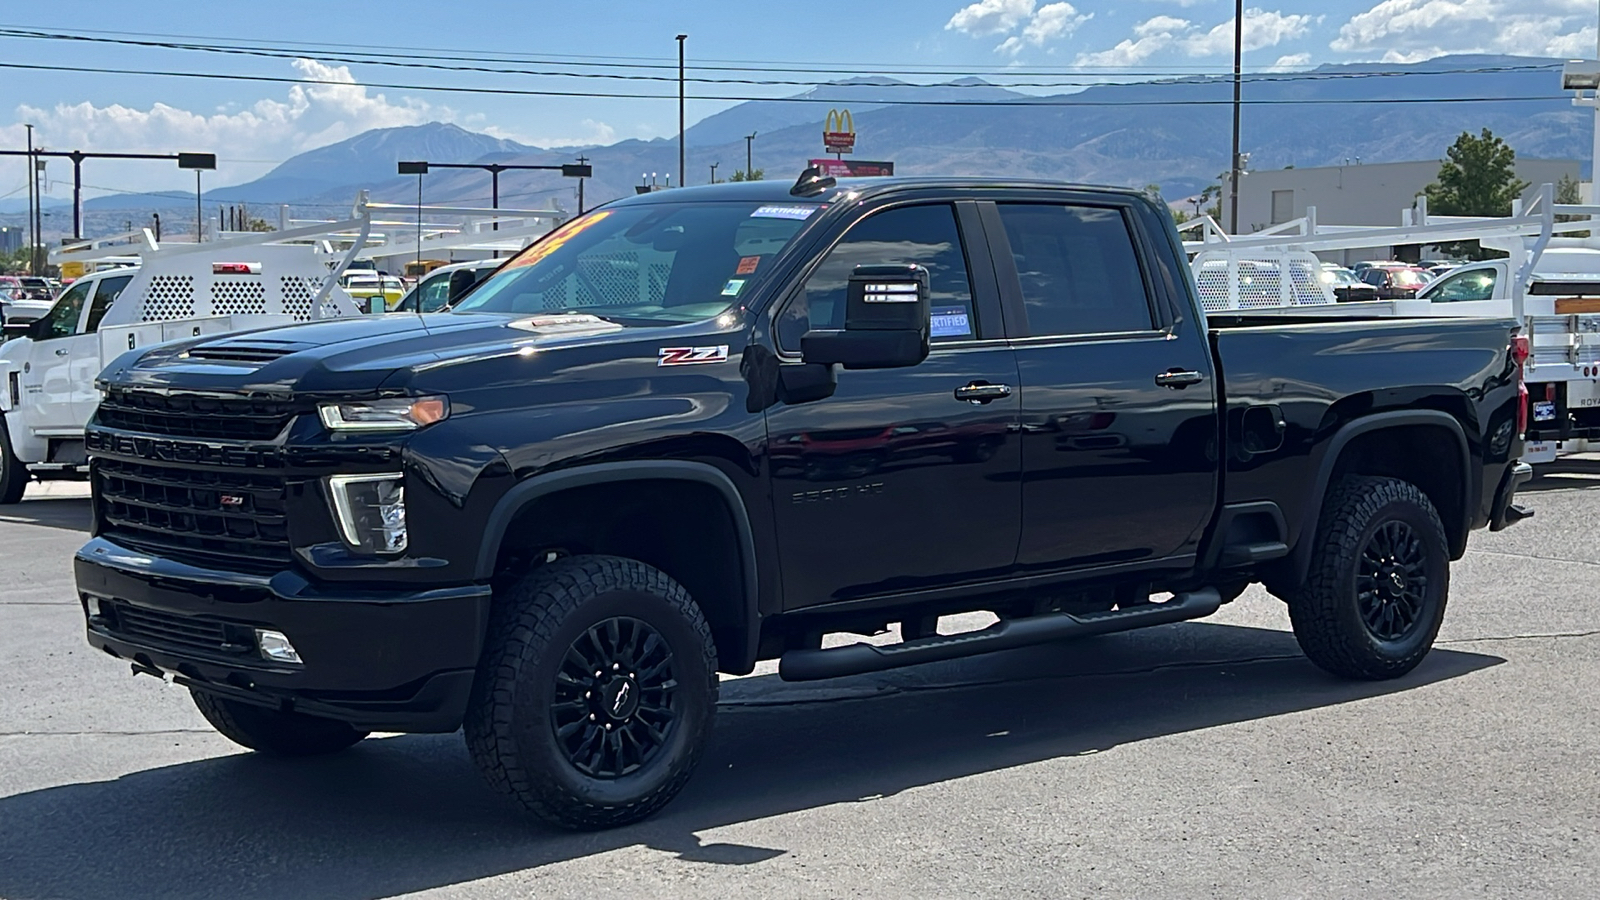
(714, 172)
(683, 179)
(1233, 178)
(749, 173)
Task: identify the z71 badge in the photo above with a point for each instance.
(692, 356)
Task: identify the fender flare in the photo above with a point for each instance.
(530, 490)
(1300, 559)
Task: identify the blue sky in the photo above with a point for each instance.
(253, 125)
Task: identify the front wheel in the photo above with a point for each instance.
(1374, 598)
(595, 693)
(274, 731)
(14, 475)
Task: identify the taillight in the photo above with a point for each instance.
(1520, 350)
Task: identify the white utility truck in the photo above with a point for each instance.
(48, 367)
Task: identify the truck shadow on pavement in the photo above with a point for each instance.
(66, 513)
(404, 814)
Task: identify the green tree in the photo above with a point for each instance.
(1567, 193)
(1477, 178)
(742, 175)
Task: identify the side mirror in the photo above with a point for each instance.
(887, 320)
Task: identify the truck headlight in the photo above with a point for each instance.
(371, 511)
(391, 414)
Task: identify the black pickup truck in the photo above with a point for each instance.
(697, 429)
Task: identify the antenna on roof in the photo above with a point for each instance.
(812, 182)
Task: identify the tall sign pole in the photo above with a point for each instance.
(1233, 176)
(683, 176)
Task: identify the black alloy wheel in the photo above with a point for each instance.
(613, 709)
(1392, 581)
(1374, 597)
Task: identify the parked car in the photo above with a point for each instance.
(444, 285)
(1395, 282)
(372, 291)
(38, 288)
(549, 516)
(1347, 288)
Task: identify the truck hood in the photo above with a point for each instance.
(361, 354)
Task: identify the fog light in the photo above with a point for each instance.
(276, 647)
(371, 510)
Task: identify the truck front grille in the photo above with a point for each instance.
(232, 519)
(238, 418)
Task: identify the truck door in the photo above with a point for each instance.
(49, 386)
(896, 482)
(1119, 420)
(86, 353)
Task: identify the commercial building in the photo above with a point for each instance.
(1357, 194)
(10, 239)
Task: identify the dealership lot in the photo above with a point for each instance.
(1206, 759)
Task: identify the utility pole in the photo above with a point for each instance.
(714, 172)
(1233, 178)
(582, 161)
(749, 173)
(33, 221)
(199, 217)
(683, 178)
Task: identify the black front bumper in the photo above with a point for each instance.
(382, 660)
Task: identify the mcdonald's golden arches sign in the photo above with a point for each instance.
(839, 132)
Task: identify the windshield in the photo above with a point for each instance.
(655, 264)
(1409, 278)
(1340, 277)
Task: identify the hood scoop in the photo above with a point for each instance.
(565, 324)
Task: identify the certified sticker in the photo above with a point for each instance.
(784, 212)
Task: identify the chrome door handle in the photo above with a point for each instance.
(1178, 379)
(982, 392)
(63, 352)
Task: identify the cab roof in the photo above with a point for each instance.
(776, 190)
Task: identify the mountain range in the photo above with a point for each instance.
(1174, 133)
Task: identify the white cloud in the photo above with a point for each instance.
(311, 115)
(991, 16)
(1052, 21)
(1291, 62)
(1262, 28)
(1149, 39)
(1413, 30)
(591, 131)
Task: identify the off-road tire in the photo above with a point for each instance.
(14, 475)
(511, 720)
(273, 731)
(1326, 611)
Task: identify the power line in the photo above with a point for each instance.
(407, 60)
(1033, 103)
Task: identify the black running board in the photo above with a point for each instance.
(810, 665)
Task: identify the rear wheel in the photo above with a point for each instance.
(595, 694)
(274, 731)
(1374, 598)
(14, 475)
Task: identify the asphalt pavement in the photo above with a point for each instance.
(1206, 759)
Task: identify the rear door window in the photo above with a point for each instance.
(1078, 268)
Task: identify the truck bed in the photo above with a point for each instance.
(1315, 374)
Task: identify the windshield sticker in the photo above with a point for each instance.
(732, 288)
(784, 212)
(950, 322)
(555, 239)
(747, 265)
(692, 356)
